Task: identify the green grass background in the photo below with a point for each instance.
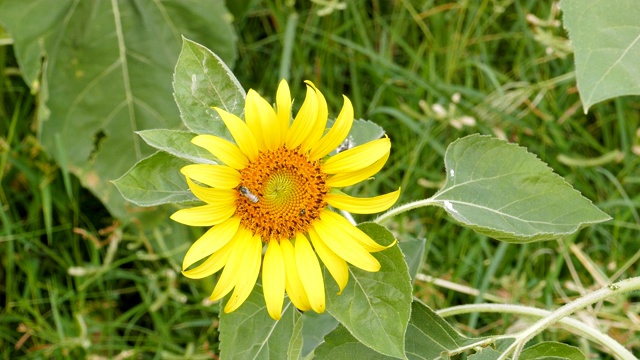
(420, 70)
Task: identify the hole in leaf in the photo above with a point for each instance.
(98, 139)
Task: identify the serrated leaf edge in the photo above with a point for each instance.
(137, 203)
(352, 276)
(193, 159)
(224, 66)
(527, 238)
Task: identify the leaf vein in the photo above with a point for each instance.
(122, 52)
(505, 214)
(377, 316)
(606, 73)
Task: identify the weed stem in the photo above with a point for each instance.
(558, 316)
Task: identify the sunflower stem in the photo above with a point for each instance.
(573, 325)
(403, 208)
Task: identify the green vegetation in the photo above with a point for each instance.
(79, 283)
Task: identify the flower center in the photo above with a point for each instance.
(282, 192)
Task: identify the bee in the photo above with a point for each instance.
(347, 144)
(248, 194)
(303, 212)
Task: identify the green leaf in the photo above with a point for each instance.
(341, 345)
(552, 350)
(106, 70)
(493, 351)
(375, 306)
(604, 36)
(503, 191)
(177, 143)
(486, 353)
(154, 181)
(295, 345)
(250, 333)
(363, 131)
(202, 81)
(429, 335)
(413, 251)
(316, 326)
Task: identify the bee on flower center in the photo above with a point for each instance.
(248, 194)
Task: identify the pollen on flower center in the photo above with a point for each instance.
(283, 192)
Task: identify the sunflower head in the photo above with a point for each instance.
(276, 187)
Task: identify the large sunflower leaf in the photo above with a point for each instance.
(155, 180)
(375, 306)
(552, 350)
(429, 335)
(250, 333)
(294, 352)
(177, 143)
(487, 353)
(493, 352)
(201, 82)
(413, 250)
(316, 326)
(103, 70)
(339, 344)
(364, 131)
(503, 191)
(606, 42)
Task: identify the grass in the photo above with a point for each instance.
(400, 62)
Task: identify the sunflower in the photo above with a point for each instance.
(277, 189)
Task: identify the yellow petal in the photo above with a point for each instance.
(213, 264)
(293, 284)
(205, 215)
(261, 119)
(273, 279)
(343, 229)
(247, 274)
(310, 273)
(334, 263)
(320, 122)
(252, 117)
(217, 176)
(272, 134)
(224, 150)
(347, 248)
(351, 178)
(213, 240)
(219, 197)
(229, 277)
(304, 121)
(241, 134)
(283, 102)
(336, 134)
(356, 205)
(357, 158)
